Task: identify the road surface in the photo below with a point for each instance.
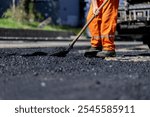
(28, 72)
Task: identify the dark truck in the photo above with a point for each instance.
(134, 20)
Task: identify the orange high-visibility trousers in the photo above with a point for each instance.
(103, 27)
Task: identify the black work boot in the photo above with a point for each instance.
(105, 53)
(92, 51)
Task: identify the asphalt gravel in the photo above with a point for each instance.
(33, 74)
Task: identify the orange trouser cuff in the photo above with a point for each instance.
(108, 44)
(96, 42)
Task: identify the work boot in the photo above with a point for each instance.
(105, 53)
(92, 51)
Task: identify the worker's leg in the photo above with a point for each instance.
(94, 28)
(108, 28)
(108, 25)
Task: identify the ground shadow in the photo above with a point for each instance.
(144, 55)
(35, 54)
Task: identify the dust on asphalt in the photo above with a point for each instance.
(33, 74)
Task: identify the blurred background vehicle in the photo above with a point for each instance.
(134, 20)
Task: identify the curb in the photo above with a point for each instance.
(28, 34)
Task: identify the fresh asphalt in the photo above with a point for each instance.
(28, 72)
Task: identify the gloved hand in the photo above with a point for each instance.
(95, 7)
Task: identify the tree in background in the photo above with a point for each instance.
(23, 11)
(29, 8)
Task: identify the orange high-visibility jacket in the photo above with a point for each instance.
(103, 27)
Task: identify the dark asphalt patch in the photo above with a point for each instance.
(40, 76)
(35, 54)
(60, 52)
(136, 55)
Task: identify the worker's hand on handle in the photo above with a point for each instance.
(95, 11)
(95, 7)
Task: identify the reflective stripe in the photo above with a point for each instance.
(103, 36)
(96, 37)
(107, 36)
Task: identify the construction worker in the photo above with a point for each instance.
(103, 28)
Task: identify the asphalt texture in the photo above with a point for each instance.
(31, 73)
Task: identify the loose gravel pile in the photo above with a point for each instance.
(33, 74)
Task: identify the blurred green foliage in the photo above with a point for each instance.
(24, 11)
(9, 23)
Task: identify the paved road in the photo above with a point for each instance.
(28, 72)
(56, 43)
